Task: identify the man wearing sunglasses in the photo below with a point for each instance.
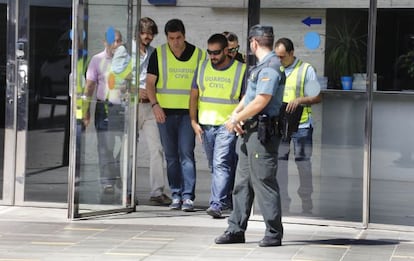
(233, 47)
(217, 88)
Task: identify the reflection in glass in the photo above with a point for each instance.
(105, 112)
(3, 44)
(48, 117)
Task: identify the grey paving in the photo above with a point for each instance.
(156, 233)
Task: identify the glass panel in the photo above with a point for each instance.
(105, 108)
(392, 140)
(329, 185)
(48, 119)
(3, 59)
(343, 116)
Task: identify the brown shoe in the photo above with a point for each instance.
(161, 200)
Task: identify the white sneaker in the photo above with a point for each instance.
(176, 204)
(188, 205)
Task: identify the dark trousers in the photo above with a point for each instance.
(256, 177)
(302, 149)
(109, 124)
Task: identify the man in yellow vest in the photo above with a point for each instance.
(233, 45)
(298, 74)
(217, 88)
(169, 75)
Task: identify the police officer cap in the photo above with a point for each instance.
(261, 30)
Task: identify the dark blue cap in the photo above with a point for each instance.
(261, 30)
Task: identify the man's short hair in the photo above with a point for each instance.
(263, 34)
(287, 43)
(174, 25)
(259, 30)
(218, 38)
(231, 37)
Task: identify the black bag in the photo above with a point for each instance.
(289, 122)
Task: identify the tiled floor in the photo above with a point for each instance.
(155, 233)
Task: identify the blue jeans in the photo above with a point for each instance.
(178, 141)
(109, 123)
(302, 148)
(219, 145)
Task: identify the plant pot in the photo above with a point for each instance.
(346, 82)
(360, 81)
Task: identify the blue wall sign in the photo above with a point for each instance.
(312, 40)
(310, 21)
(163, 2)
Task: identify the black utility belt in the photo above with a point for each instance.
(253, 123)
(266, 127)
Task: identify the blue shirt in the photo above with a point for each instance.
(266, 78)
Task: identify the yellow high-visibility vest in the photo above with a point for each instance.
(80, 83)
(295, 86)
(219, 91)
(175, 77)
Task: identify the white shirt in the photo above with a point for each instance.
(143, 63)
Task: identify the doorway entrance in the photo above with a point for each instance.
(37, 132)
(34, 103)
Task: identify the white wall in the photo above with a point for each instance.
(201, 22)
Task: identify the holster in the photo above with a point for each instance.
(267, 127)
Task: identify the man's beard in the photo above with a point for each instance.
(146, 43)
(217, 61)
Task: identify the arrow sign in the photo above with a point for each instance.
(310, 21)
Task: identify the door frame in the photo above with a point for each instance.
(17, 77)
(79, 12)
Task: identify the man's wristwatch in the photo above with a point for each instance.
(155, 103)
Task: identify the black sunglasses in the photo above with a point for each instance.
(215, 52)
(234, 50)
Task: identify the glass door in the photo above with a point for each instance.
(103, 108)
(3, 66)
(34, 83)
(16, 89)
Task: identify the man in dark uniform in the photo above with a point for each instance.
(255, 120)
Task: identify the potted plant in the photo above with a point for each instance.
(406, 62)
(345, 57)
(404, 71)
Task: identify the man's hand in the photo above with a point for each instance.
(158, 113)
(86, 119)
(197, 130)
(143, 93)
(232, 125)
(292, 105)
